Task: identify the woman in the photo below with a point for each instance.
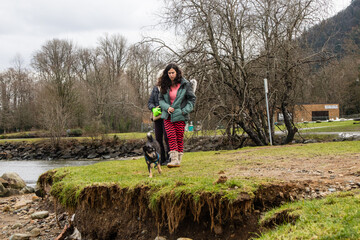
(177, 100)
(160, 134)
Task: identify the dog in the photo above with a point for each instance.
(151, 154)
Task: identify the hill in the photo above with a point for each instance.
(336, 31)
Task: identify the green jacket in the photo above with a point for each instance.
(183, 104)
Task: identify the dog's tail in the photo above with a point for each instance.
(149, 137)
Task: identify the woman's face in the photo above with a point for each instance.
(172, 74)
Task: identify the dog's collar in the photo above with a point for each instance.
(150, 160)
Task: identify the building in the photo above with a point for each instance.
(313, 112)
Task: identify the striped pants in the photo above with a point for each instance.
(175, 134)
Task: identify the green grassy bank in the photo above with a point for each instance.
(334, 217)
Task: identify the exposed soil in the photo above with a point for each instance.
(113, 213)
(321, 173)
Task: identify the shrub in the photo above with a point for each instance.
(75, 132)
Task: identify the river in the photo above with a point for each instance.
(31, 170)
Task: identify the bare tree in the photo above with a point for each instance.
(107, 91)
(17, 95)
(144, 64)
(6, 115)
(56, 65)
(239, 43)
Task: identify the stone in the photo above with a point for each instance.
(6, 208)
(16, 225)
(92, 156)
(13, 191)
(160, 238)
(40, 215)
(35, 232)
(218, 230)
(14, 180)
(21, 203)
(4, 182)
(35, 198)
(27, 189)
(20, 236)
(4, 192)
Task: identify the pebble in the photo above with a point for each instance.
(160, 238)
(20, 236)
(40, 215)
(22, 208)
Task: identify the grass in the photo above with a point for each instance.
(197, 174)
(338, 126)
(334, 217)
(194, 178)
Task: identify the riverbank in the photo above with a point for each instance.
(213, 195)
(103, 149)
(115, 148)
(16, 218)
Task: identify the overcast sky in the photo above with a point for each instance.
(25, 25)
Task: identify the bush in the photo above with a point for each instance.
(75, 132)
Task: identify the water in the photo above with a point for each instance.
(30, 171)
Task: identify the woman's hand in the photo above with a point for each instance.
(170, 110)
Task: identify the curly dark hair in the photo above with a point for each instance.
(165, 81)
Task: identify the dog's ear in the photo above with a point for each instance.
(144, 148)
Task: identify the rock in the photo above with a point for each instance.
(160, 238)
(6, 208)
(14, 180)
(35, 198)
(27, 189)
(221, 179)
(20, 236)
(281, 194)
(76, 235)
(4, 192)
(21, 203)
(218, 230)
(4, 182)
(35, 232)
(92, 156)
(13, 191)
(16, 225)
(40, 215)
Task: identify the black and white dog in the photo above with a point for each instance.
(151, 154)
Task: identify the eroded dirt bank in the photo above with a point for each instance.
(114, 213)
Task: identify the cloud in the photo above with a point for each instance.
(25, 25)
